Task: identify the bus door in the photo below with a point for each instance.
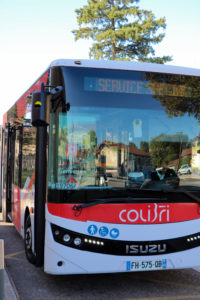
(1, 169)
(17, 176)
(7, 157)
(9, 167)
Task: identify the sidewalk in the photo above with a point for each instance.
(10, 292)
(193, 176)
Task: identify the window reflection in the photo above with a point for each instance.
(28, 157)
(126, 130)
(94, 147)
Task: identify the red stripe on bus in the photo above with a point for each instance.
(146, 213)
(16, 207)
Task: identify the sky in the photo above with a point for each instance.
(33, 33)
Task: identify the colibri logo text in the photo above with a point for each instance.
(151, 213)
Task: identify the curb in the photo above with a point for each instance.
(10, 290)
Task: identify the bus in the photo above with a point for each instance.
(90, 176)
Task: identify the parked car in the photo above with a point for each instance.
(135, 179)
(185, 169)
(162, 178)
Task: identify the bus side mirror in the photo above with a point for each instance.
(56, 92)
(57, 99)
(39, 108)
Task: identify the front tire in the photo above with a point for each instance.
(28, 241)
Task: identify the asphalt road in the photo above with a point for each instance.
(190, 180)
(33, 283)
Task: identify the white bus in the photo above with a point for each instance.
(89, 171)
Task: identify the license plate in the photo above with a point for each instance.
(144, 265)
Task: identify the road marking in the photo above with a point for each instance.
(12, 255)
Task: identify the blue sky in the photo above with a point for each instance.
(35, 32)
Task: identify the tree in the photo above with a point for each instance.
(165, 148)
(179, 94)
(120, 30)
(144, 146)
(132, 144)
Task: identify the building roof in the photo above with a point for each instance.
(186, 152)
(131, 149)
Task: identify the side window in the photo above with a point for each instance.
(18, 157)
(28, 156)
(170, 173)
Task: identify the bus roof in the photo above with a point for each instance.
(102, 64)
(125, 65)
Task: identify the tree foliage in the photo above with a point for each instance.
(144, 146)
(120, 30)
(185, 93)
(165, 148)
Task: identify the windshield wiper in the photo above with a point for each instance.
(111, 200)
(161, 195)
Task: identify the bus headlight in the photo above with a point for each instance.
(66, 238)
(77, 241)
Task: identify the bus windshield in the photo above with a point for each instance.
(127, 130)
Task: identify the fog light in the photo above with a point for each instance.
(77, 241)
(57, 232)
(66, 238)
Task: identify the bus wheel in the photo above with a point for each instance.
(28, 241)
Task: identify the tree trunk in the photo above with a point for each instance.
(113, 29)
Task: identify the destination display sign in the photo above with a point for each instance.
(126, 86)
